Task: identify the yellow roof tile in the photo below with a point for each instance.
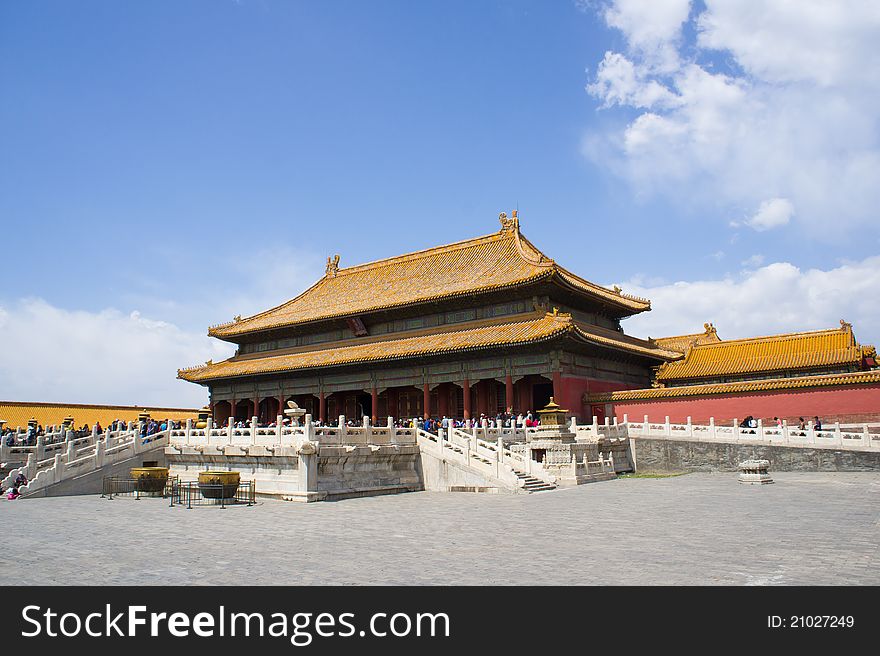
(47, 414)
(526, 329)
(785, 352)
(500, 260)
(682, 343)
(769, 384)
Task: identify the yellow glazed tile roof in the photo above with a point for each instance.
(682, 343)
(48, 414)
(659, 393)
(500, 260)
(785, 352)
(467, 337)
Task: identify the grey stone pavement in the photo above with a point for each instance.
(807, 528)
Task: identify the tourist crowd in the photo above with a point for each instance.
(12, 437)
(430, 424)
(751, 422)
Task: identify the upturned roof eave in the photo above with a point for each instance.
(379, 359)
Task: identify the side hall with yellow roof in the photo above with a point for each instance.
(708, 359)
(818, 373)
(18, 413)
(479, 326)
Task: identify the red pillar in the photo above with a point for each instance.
(256, 408)
(443, 400)
(525, 400)
(391, 402)
(232, 408)
(557, 387)
(374, 394)
(508, 385)
(322, 407)
(482, 398)
(467, 398)
(427, 401)
(281, 405)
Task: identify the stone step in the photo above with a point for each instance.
(532, 484)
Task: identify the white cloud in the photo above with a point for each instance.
(57, 355)
(771, 214)
(796, 116)
(652, 27)
(75, 356)
(619, 83)
(778, 297)
(753, 262)
(796, 41)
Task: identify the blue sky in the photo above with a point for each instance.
(166, 165)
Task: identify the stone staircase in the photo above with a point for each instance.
(532, 484)
(492, 468)
(77, 466)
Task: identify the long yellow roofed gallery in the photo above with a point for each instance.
(826, 351)
(501, 260)
(16, 413)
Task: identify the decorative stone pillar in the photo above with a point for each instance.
(58, 467)
(754, 472)
(308, 467)
(100, 450)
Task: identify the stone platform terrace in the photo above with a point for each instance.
(808, 528)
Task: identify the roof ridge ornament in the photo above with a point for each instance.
(556, 314)
(511, 224)
(332, 266)
(844, 325)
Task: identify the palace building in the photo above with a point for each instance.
(470, 328)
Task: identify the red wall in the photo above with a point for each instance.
(844, 404)
(572, 394)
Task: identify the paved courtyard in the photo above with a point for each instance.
(808, 529)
